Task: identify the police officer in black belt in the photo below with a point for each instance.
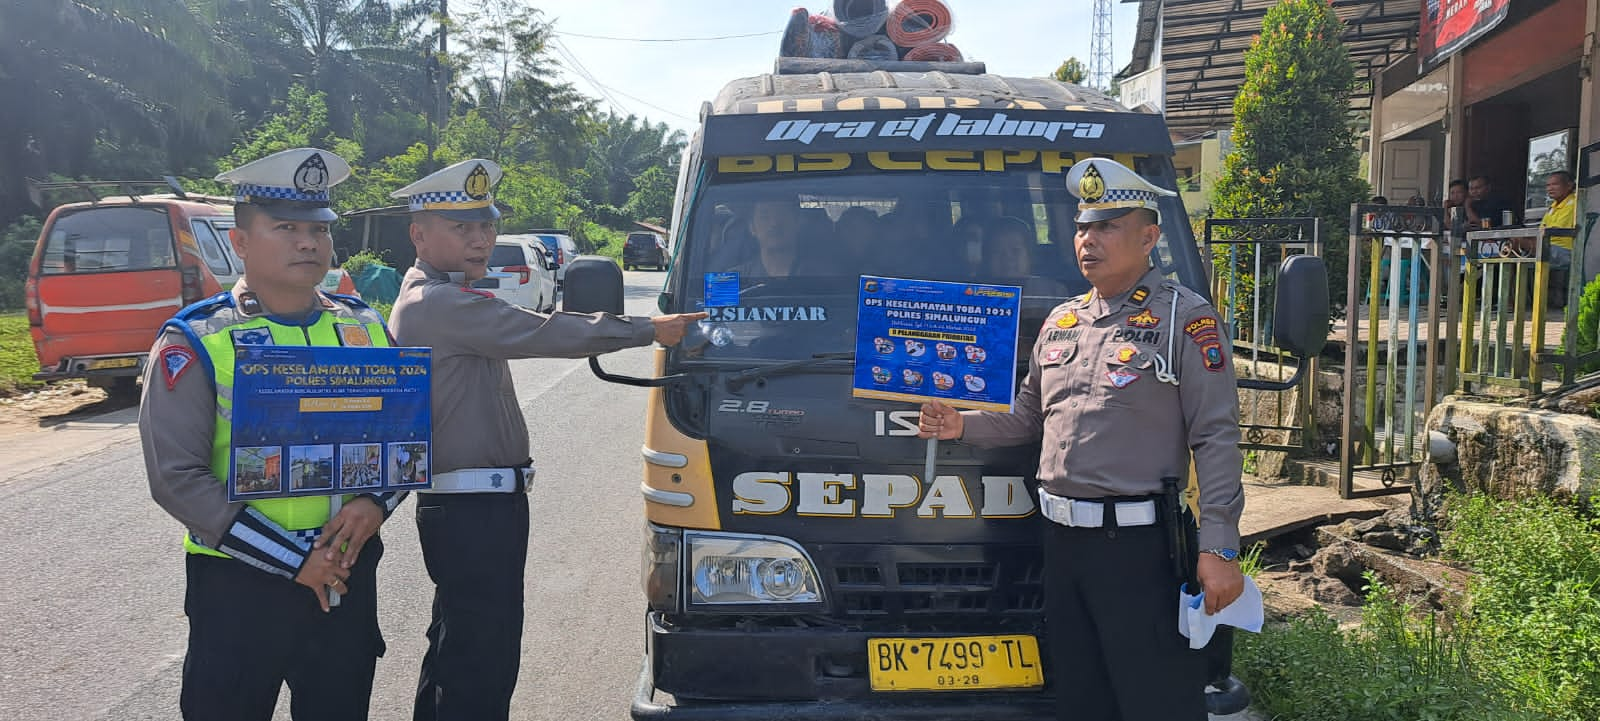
(1125, 385)
(473, 523)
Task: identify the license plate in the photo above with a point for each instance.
(105, 363)
(953, 664)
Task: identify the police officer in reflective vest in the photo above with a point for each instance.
(1125, 385)
(260, 572)
(473, 522)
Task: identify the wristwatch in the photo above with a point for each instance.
(1226, 554)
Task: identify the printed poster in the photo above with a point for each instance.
(918, 340)
(1447, 26)
(316, 421)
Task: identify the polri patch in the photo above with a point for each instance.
(1121, 377)
(175, 361)
(1135, 336)
(351, 334)
(252, 336)
(1145, 319)
(1214, 358)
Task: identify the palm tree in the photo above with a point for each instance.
(623, 149)
(77, 72)
(514, 84)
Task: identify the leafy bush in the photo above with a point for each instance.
(604, 241)
(359, 262)
(1396, 667)
(16, 251)
(1535, 603)
(1295, 152)
(1588, 326)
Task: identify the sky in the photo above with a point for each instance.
(667, 81)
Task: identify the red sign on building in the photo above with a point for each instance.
(1450, 25)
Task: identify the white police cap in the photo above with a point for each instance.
(1107, 189)
(464, 191)
(290, 184)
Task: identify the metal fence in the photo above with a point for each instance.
(1246, 253)
(1503, 328)
(1397, 334)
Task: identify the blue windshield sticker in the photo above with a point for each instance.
(321, 421)
(918, 340)
(722, 290)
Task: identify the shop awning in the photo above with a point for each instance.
(1202, 44)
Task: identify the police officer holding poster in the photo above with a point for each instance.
(473, 523)
(1125, 385)
(259, 572)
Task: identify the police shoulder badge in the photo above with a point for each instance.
(1139, 294)
(351, 334)
(1215, 360)
(175, 360)
(312, 175)
(1145, 319)
(1091, 187)
(1201, 329)
(477, 185)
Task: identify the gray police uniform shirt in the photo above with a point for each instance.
(477, 421)
(1110, 426)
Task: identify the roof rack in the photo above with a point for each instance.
(809, 66)
(94, 191)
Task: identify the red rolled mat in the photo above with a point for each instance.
(935, 52)
(918, 22)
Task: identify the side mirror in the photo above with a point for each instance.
(1299, 317)
(593, 285)
(1300, 311)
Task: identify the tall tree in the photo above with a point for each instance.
(514, 84)
(623, 150)
(79, 73)
(1294, 144)
(1072, 70)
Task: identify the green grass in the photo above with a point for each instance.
(17, 360)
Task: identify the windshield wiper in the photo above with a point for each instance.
(817, 360)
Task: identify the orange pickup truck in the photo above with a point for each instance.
(106, 273)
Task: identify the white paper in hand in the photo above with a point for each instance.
(1196, 625)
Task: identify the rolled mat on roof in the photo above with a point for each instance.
(935, 52)
(811, 36)
(860, 18)
(874, 47)
(919, 22)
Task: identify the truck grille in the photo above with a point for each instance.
(1007, 581)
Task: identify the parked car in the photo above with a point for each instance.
(563, 248)
(521, 273)
(107, 273)
(642, 249)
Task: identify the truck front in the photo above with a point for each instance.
(798, 562)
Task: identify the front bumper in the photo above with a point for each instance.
(811, 673)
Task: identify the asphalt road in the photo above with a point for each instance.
(92, 604)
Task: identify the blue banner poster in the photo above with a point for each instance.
(314, 421)
(918, 340)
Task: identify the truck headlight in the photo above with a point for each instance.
(729, 568)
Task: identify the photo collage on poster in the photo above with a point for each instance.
(955, 342)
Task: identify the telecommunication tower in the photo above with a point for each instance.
(1100, 46)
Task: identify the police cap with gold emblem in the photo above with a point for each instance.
(1106, 189)
(290, 184)
(463, 192)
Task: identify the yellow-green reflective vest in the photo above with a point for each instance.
(346, 325)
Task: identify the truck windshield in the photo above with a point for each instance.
(776, 260)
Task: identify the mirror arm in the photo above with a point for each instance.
(594, 366)
(1256, 384)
